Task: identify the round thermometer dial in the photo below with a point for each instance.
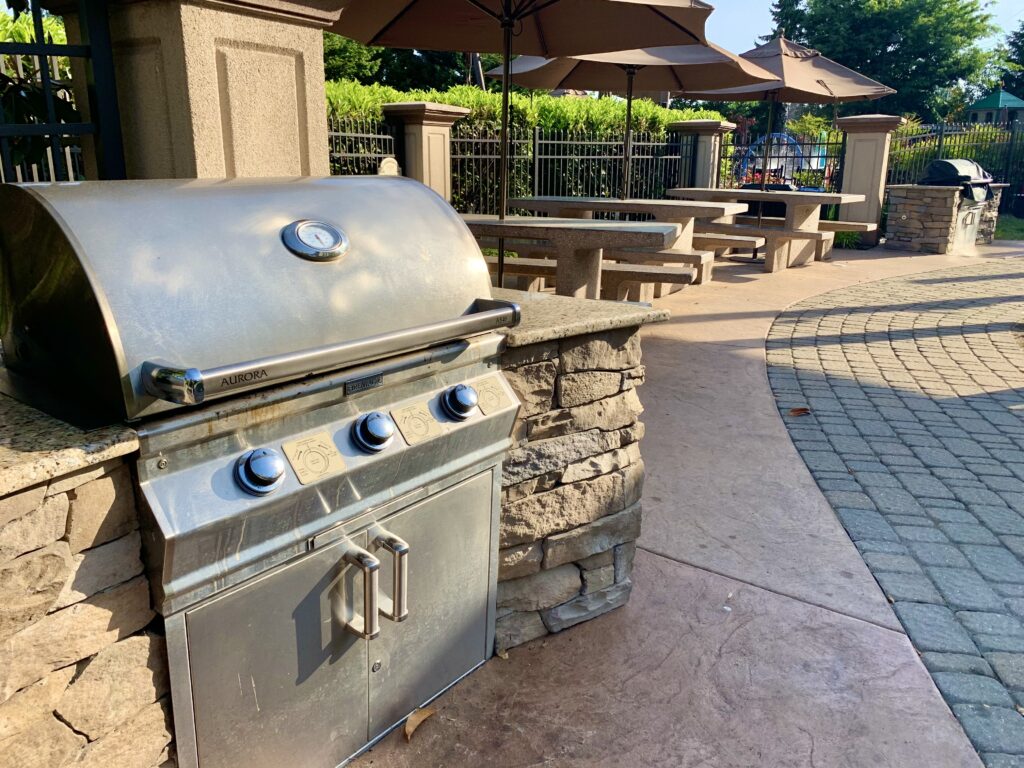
(315, 240)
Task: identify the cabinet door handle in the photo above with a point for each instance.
(366, 626)
(395, 608)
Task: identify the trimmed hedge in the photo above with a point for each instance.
(347, 99)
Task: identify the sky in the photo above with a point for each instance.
(736, 24)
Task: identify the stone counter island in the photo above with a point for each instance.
(83, 670)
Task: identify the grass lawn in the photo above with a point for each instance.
(1010, 228)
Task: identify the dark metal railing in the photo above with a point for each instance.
(357, 146)
(806, 162)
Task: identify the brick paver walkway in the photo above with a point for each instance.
(916, 436)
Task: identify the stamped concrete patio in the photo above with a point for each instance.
(756, 634)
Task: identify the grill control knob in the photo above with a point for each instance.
(373, 432)
(459, 401)
(260, 471)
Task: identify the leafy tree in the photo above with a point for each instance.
(345, 59)
(789, 16)
(1013, 71)
(914, 46)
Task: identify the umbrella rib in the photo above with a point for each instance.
(394, 20)
(528, 11)
(671, 21)
(479, 5)
(561, 83)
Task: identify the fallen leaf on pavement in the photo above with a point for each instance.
(416, 719)
(799, 411)
(502, 655)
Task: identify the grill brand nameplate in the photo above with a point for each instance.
(314, 457)
(492, 396)
(356, 386)
(416, 423)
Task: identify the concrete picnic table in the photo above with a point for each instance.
(681, 212)
(577, 243)
(803, 209)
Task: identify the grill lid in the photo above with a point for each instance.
(953, 173)
(219, 277)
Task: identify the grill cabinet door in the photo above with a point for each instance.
(449, 574)
(276, 679)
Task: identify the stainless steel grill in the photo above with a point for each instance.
(312, 367)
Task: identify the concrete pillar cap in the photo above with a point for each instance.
(424, 112)
(702, 127)
(870, 123)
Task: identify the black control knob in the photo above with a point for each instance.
(373, 432)
(260, 471)
(459, 401)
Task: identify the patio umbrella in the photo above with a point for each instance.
(804, 77)
(539, 27)
(649, 70)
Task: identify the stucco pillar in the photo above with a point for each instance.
(221, 90)
(427, 132)
(865, 166)
(707, 150)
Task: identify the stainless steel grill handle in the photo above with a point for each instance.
(395, 608)
(189, 386)
(366, 626)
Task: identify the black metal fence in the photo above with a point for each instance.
(807, 162)
(358, 146)
(42, 126)
(999, 149)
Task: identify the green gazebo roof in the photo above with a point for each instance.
(998, 100)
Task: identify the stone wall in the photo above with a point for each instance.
(571, 484)
(922, 219)
(990, 219)
(83, 670)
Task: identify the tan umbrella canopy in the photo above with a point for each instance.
(671, 68)
(805, 77)
(538, 27)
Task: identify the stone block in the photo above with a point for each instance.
(616, 350)
(541, 590)
(535, 385)
(522, 560)
(600, 560)
(138, 743)
(125, 677)
(34, 530)
(47, 743)
(514, 357)
(30, 584)
(570, 506)
(541, 484)
(101, 510)
(634, 378)
(963, 688)
(609, 414)
(102, 567)
(30, 705)
(72, 634)
(68, 482)
(624, 556)
(934, 628)
(587, 607)
(992, 729)
(516, 629)
(20, 504)
(598, 579)
(965, 590)
(956, 662)
(540, 457)
(602, 464)
(1009, 667)
(579, 388)
(596, 537)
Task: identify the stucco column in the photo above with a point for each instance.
(707, 150)
(221, 89)
(427, 132)
(865, 166)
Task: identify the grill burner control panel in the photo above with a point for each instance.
(262, 471)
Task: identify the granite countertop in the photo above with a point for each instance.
(35, 447)
(547, 316)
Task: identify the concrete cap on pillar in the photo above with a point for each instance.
(870, 123)
(702, 127)
(424, 112)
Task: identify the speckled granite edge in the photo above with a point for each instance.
(547, 317)
(35, 447)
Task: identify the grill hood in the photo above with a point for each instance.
(100, 278)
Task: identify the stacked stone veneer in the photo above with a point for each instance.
(924, 219)
(571, 484)
(83, 676)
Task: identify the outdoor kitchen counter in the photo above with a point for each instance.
(547, 317)
(35, 447)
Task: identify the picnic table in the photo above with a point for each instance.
(577, 243)
(803, 214)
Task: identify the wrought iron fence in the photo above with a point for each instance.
(806, 162)
(564, 163)
(358, 146)
(998, 148)
(42, 126)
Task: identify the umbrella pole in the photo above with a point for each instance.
(627, 150)
(506, 86)
(767, 160)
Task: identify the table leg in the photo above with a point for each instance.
(578, 273)
(682, 243)
(802, 218)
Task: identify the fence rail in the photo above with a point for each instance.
(807, 162)
(357, 147)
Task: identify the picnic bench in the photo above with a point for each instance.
(824, 247)
(798, 240)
